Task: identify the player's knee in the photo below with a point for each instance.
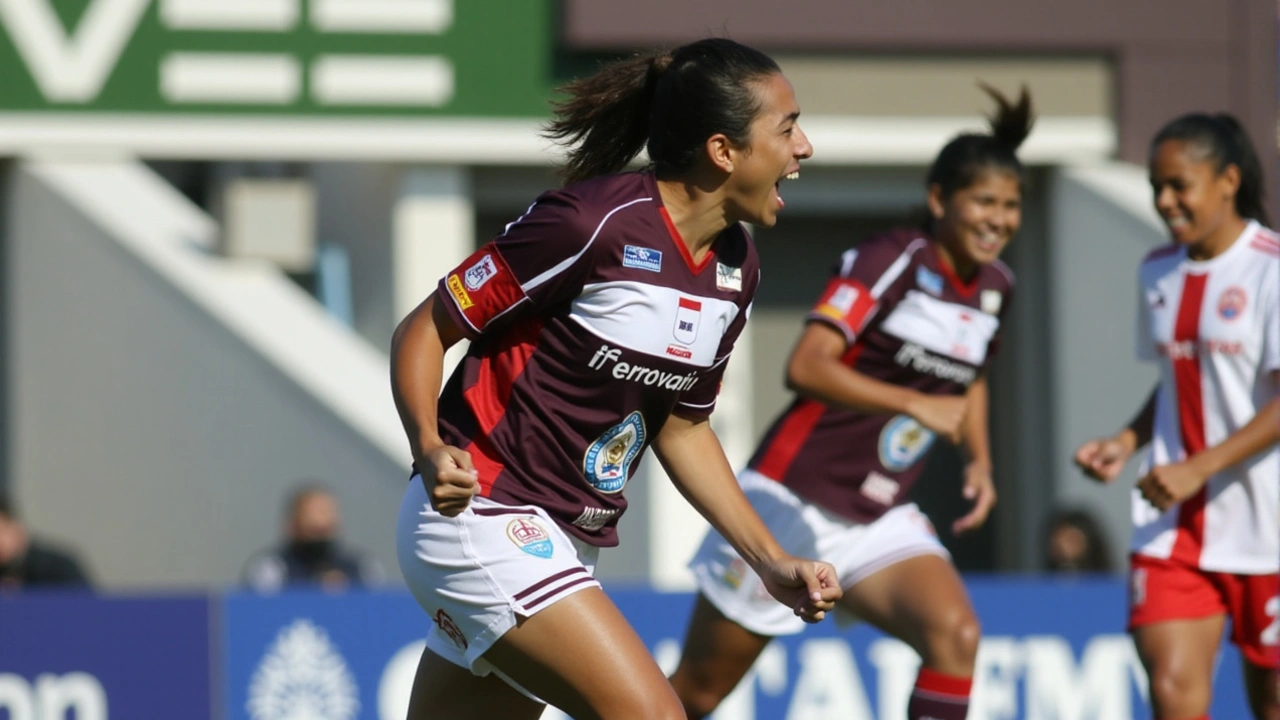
(954, 640)
(699, 693)
(965, 634)
(1176, 692)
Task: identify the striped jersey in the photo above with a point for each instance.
(908, 320)
(1213, 327)
(590, 325)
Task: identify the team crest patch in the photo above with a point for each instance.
(990, 301)
(450, 629)
(529, 536)
(688, 312)
(929, 281)
(459, 293)
(642, 258)
(843, 299)
(728, 277)
(480, 273)
(608, 459)
(903, 442)
(1232, 302)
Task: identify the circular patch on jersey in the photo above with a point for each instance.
(903, 441)
(529, 536)
(1232, 302)
(608, 460)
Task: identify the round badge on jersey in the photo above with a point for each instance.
(903, 441)
(609, 458)
(530, 537)
(1232, 302)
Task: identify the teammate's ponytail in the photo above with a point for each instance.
(668, 102)
(967, 156)
(1224, 142)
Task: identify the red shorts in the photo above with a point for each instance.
(1161, 590)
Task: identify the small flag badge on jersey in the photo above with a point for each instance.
(642, 258)
(728, 277)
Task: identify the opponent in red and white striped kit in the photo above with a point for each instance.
(1206, 513)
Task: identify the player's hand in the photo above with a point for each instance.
(450, 478)
(1168, 485)
(809, 587)
(981, 491)
(943, 414)
(1104, 458)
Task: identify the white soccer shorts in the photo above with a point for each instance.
(856, 550)
(478, 573)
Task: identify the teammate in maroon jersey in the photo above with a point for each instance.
(601, 322)
(1206, 540)
(892, 356)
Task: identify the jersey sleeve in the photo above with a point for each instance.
(857, 288)
(540, 261)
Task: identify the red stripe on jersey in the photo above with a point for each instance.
(1186, 374)
(688, 304)
(1266, 247)
(795, 430)
(499, 370)
(485, 461)
(684, 249)
(483, 287)
(963, 289)
(488, 397)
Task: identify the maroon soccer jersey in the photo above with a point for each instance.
(908, 321)
(590, 325)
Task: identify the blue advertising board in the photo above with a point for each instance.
(76, 655)
(1051, 650)
(342, 657)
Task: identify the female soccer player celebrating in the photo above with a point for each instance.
(892, 356)
(601, 322)
(1206, 543)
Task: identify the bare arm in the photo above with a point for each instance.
(816, 370)
(692, 455)
(1258, 435)
(1104, 458)
(977, 435)
(1169, 484)
(417, 368)
(979, 488)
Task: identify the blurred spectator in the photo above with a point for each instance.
(310, 553)
(1074, 542)
(27, 562)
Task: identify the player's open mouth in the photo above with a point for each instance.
(793, 175)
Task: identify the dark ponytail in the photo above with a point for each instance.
(669, 103)
(967, 156)
(605, 120)
(1224, 142)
